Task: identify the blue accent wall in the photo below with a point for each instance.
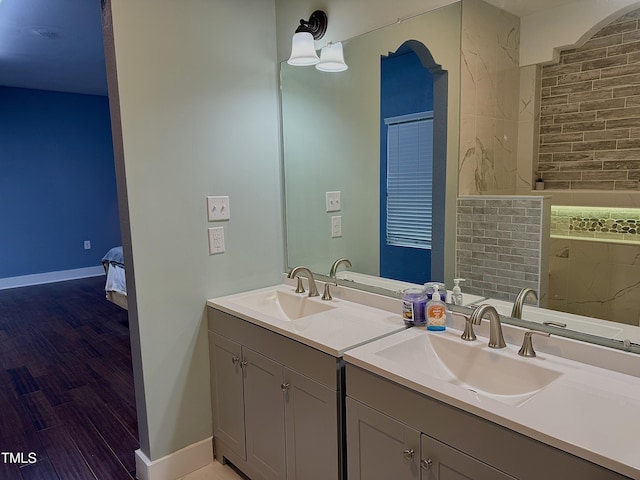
(405, 87)
(57, 181)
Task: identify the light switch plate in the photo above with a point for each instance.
(334, 201)
(216, 240)
(336, 226)
(218, 208)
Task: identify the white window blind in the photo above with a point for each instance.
(409, 180)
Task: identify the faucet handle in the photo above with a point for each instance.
(468, 334)
(300, 286)
(527, 344)
(326, 294)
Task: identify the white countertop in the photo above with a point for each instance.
(333, 331)
(591, 412)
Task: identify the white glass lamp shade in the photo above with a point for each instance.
(303, 50)
(332, 58)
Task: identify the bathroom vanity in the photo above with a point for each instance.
(310, 389)
(394, 432)
(277, 379)
(275, 401)
(475, 420)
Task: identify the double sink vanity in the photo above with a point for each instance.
(305, 388)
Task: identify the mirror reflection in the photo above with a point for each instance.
(335, 141)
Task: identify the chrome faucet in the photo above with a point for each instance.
(496, 340)
(293, 273)
(326, 295)
(516, 311)
(336, 264)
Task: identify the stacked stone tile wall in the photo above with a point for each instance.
(590, 112)
(499, 247)
(596, 223)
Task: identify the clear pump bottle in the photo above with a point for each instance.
(457, 292)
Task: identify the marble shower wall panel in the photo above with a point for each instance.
(499, 247)
(489, 100)
(527, 128)
(595, 279)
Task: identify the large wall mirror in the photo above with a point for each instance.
(332, 142)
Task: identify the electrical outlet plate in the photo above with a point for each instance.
(336, 226)
(334, 201)
(218, 208)
(216, 240)
(87, 244)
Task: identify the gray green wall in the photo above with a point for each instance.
(196, 101)
(184, 104)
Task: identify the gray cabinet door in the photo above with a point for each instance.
(379, 447)
(264, 415)
(227, 393)
(311, 420)
(441, 462)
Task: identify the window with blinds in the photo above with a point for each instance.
(409, 180)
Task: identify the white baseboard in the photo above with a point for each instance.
(177, 464)
(50, 277)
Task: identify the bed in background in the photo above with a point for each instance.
(116, 285)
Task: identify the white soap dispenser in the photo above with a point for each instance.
(457, 292)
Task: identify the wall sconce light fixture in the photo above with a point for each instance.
(303, 50)
(332, 58)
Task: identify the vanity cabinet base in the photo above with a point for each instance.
(454, 440)
(276, 403)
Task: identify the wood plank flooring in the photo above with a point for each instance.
(66, 384)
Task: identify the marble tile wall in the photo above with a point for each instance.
(595, 279)
(490, 81)
(528, 128)
(590, 112)
(499, 247)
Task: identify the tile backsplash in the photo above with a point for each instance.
(499, 247)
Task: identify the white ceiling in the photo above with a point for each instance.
(57, 44)
(522, 8)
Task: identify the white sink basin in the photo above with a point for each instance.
(473, 366)
(331, 326)
(283, 305)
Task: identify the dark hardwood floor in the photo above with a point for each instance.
(67, 406)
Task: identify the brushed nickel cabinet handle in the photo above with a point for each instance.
(235, 360)
(409, 453)
(284, 387)
(426, 464)
(243, 364)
